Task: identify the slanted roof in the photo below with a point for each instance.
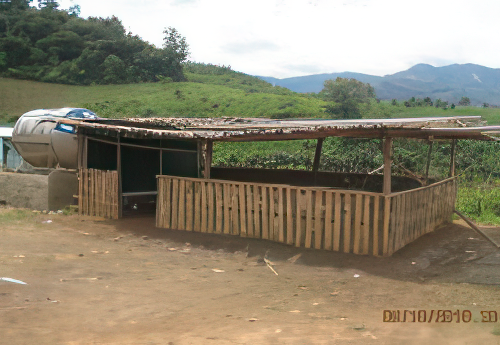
(259, 129)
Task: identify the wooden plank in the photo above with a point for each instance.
(265, 214)
(242, 210)
(167, 197)
(204, 206)
(235, 229)
(181, 221)
(104, 191)
(197, 206)
(80, 191)
(256, 212)
(365, 236)
(337, 221)
(249, 207)
(298, 219)
(318, 228)
(218, 208)
(328, 221)
(227, 207)
(376, 215)
(159, 188)
(357, 223)
(175, 203)
(289, 216)
(397, 222)
(271, 212)
(387, 215)
(211, 208)
(91, 192)
(189, 206)
(281, 214)
(347, 223)
(309, 219)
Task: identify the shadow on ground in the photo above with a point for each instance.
(453, 253)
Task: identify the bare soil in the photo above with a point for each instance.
(92, 281)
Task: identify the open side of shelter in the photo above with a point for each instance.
(165, 165)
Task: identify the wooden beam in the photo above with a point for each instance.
(208, 159)
(452, 158)
(387, 165)
(317, 157)
(429, 157)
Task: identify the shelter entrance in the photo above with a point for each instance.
(138, 163)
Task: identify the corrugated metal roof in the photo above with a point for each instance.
(254, 129)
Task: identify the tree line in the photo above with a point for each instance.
(47, 44)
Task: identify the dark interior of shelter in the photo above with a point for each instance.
(142, 160)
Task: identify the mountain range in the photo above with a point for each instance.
(449, 83)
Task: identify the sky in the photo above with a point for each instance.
(288, 38)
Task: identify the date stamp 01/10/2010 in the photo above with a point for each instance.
(440, 316)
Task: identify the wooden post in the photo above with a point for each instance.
(119, 170)
(429, 156)
(317, 156)
(452, 158)
(85, 152)
(387, 165)
(208, 159)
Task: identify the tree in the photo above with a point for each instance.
(347, 95)
(176, 51)
(464, 101)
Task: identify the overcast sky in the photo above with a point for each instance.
(286, 38)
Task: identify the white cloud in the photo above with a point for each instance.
(296, 37)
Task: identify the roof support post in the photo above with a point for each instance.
(317, 157)
(387, 165)
(429, 157)
(452, 158)
(208, 159)
(119, 169)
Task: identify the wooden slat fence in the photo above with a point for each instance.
(98, 193)
(311, 217)
(340, 220)
(420, 211)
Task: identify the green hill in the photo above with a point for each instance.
(203, 95)
(210, 91)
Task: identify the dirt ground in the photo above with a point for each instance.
(92, 281)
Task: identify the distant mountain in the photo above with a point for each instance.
(481, 84)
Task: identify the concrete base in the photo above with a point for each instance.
(63, 184)
(23, 190)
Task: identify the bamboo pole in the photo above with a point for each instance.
(387, 165)
(427, 167)
(452, 158)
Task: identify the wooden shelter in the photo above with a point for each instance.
(165, 164)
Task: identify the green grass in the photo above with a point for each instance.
(480, 201)
(190, 99)
(10, 216)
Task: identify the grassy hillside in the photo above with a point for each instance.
(210, 91)
(202, 96)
